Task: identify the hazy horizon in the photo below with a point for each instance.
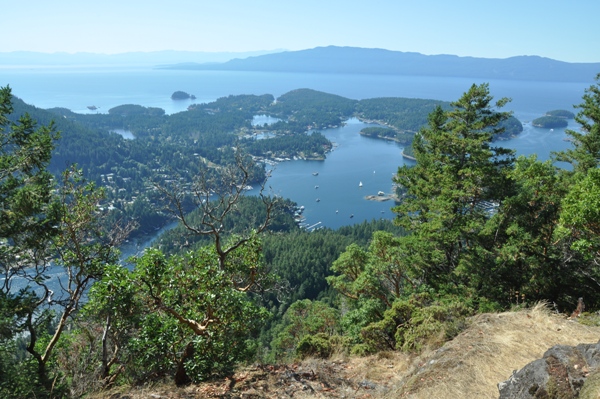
(172, 58)
(467, 28)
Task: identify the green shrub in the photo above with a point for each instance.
(302, 322)
(317, 345)
(589, 319)
(413, 323)
(355, 320)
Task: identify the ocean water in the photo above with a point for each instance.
(333, 191)
(78, 88)
(355, 159)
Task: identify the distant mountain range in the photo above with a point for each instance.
(354, 60)
(332, 59)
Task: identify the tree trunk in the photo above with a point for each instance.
(181, 377)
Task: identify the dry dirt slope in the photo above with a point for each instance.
(469, 366)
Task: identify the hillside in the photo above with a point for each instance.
(469, 366)
(355, 60)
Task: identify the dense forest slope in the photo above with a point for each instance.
(334, 59)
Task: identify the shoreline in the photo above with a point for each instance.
(408, 156)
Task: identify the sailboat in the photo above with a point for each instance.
(360, 184)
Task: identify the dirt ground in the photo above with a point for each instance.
(469, 366)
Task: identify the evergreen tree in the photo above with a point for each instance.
(586, 152)
(27, 224)
(458, 175)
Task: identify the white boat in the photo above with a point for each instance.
(360, 184)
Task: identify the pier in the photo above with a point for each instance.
(313, 226)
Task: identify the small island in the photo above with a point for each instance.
(557, 118)
(388, 134)
(182, 95)
(561, 113)
(382, 197)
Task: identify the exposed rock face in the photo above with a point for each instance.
(561, 373)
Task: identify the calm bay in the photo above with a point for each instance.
(355, 158)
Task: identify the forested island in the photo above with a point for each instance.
(561, 113)
(238, 282)
(553, 119)
(550, 122)
(182, 95)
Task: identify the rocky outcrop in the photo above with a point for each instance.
(563, 372)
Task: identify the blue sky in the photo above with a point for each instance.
(563, 30)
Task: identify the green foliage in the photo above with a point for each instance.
(561, 113)
(589, 319)
(135, 110)
(386, 313)
(249, 104)
(526, 262)
(310, 146)
(360, 315)
(183, 316)
(457, 171)
(586, 152)
(580, 215)
(512, 126)
(26, 227)
(381, 273)
(549, 122)
(404, 114)
(82, 249)
(382, 132)
(247, 215)
(318, 345)
(388, 134)
(25, 184)
(481, 220)
(305, 330)
(194, 314)
(408, 115)
(21, 379)
(305, 107)
(415, 322)
(303, 260)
